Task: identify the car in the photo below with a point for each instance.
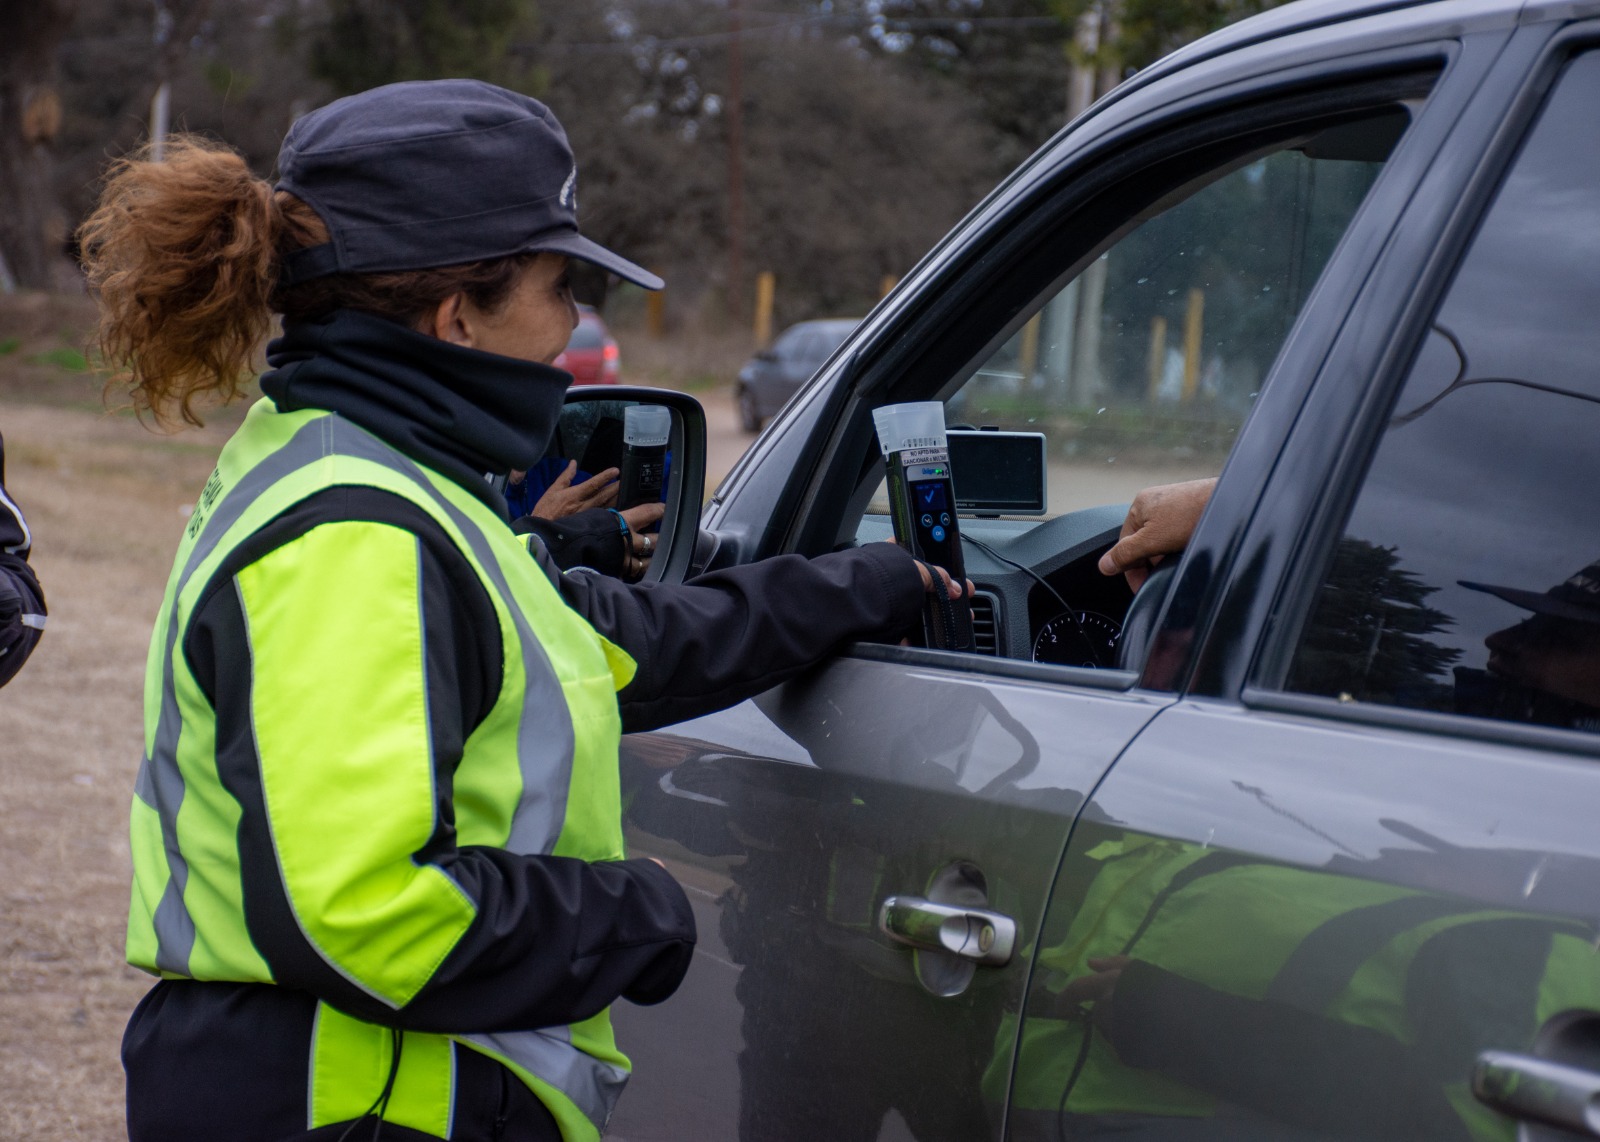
(592, 356)
(773, 375)
(1299, 840)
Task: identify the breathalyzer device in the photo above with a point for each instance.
(922, 505)
(645, 431)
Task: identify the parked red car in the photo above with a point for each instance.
(592, 356)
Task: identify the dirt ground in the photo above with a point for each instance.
(105, 499)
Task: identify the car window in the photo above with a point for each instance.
(1141, 369)
(589, 334)
(809, 350)
(788, 343)
(1467, 578)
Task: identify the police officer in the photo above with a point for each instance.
(378, 860)
(22, 611)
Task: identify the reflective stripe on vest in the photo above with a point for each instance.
(272, 462)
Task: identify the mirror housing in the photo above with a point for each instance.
(686, 475)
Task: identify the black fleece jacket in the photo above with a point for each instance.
(555, 939)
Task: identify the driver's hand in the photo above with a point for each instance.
(1160, 521)
(563, 497)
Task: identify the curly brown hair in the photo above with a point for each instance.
(185, 256)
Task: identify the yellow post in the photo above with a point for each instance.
(886, 285)
(1193, 328)
(1157, 366)
(655, 313)
(766, 287)
(1028, 351)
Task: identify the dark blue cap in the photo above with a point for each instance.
(437, 173)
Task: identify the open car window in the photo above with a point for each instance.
(1136, 357)
(1141, 368)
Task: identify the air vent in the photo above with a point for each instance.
(985, 625)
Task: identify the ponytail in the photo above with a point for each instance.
(183, 256)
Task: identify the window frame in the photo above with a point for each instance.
(1093, 199)
(1265, 684)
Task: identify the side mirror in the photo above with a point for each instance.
(591, 431)
(766, 355)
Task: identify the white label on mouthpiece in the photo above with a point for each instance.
(646, 425)
(917, 425)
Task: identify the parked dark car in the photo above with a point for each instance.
(772, 376)
(592, 356)
(1312, 853)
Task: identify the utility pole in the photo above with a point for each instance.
(735, 162)
(161, 101)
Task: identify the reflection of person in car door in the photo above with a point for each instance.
(1546, 668)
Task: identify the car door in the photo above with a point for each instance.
(899, 772)
(1349, 887)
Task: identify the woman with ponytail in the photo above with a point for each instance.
(378, 861)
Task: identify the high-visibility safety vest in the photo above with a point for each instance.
(539, 775)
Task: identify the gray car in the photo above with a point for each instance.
(1300, 841)
(772, 376)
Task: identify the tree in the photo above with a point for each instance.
(854, 164)
(32, 225)
(1367, 636)
(360, 44)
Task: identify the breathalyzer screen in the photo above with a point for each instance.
(930, 497)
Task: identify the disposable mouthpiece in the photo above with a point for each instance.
(646, 425)
(912, 426)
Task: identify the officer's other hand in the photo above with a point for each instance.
(564, 498)
(1159, 523)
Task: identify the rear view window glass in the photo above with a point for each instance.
(587, 336)
(1467, 578)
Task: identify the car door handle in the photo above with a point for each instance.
(1525, 1087)
(972, 933)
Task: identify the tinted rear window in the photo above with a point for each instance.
(588, 335)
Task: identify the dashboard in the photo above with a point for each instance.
(1050, 602)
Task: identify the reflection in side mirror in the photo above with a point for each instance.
(655, 439)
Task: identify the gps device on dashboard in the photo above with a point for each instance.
(922, 506)
(1002, 473)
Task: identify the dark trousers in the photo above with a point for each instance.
(225, 1062)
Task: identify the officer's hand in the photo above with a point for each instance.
(1160, 522)
(946, 584)
(564, 498)
(640, 548)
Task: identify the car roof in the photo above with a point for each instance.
(1300, 16)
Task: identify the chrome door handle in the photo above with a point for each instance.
(972, 933)
(1525, 1087)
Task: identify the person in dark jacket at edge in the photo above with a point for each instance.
(22, 611)
(378, 860)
